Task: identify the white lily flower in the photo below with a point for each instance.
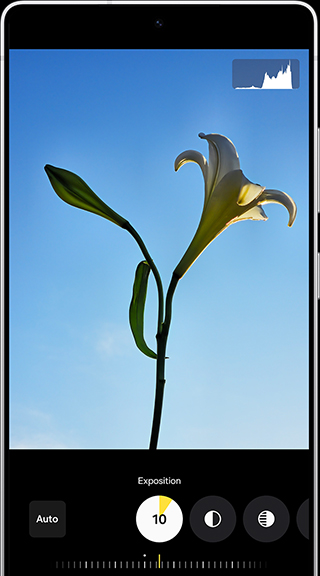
(229, 196)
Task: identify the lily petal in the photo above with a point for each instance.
(220, 211)
(255, 213)
(212, 169)
(248, 191)
(192, 156)
(223, 156)
(278, 197)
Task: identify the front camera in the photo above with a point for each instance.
(159, 23)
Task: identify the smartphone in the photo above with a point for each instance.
(159, 287)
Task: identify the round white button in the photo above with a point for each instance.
(159, 518)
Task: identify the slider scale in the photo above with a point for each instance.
(162, 564)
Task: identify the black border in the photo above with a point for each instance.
(185, 26)
(105, 26)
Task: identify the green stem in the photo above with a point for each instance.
(160, 382)
(162, 338)
(162, 333)
(127, 226)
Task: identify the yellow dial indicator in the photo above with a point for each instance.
(164, 502)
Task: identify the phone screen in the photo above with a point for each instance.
(159, 287)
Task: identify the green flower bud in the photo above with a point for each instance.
(73, 190)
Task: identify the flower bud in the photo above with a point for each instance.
(73, 190)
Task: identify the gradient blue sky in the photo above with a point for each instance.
(237, 374)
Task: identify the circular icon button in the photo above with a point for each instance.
(303, 518)
(159, 518)
(266, 519)
(212, 519)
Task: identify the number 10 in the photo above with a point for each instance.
(162, 518)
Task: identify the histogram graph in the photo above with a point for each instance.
(272, 74)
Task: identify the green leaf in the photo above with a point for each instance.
(136, 310)
(73, 190)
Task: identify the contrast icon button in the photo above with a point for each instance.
(266, 519)
(47, 519)
(212, 519)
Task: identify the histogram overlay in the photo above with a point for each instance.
(265, 74)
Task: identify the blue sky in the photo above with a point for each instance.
(237, 373)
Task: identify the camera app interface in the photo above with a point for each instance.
(159, 310)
